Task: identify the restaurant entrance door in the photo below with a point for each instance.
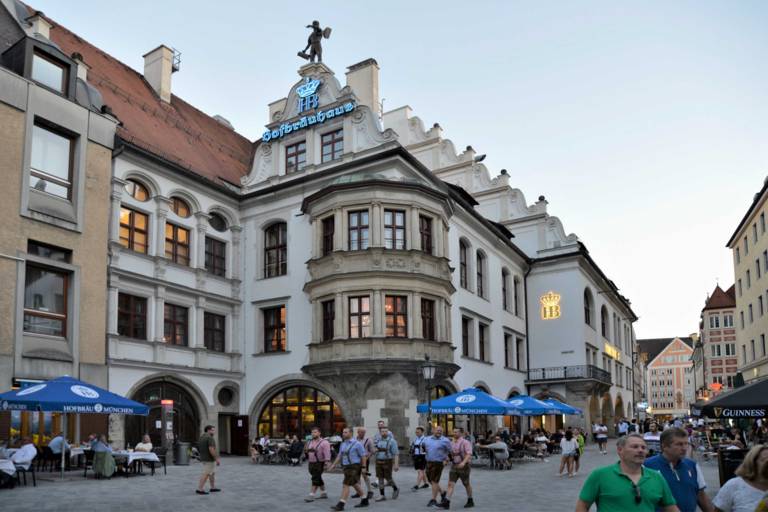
(186, 422)
(238, 438)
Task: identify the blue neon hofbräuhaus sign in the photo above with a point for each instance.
(308, 100)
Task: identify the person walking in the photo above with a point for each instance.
(419, 454)
(580, 441)
(568, 448)
(438, 448)
(209, 459)
(352, 457)
(461, 454)
(623, 427)
(370, 450)
(653, 438)
(602, 437)
(747, 491)
(627, 485)
(683, 475)
(318, 452)
(387, 461)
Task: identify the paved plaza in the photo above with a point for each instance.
(530, 486)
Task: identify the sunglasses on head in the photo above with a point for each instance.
(638, 496)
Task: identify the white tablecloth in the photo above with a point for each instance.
(132, 456)
(6, 466)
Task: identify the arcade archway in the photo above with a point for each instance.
(296, 409)
(186, 417)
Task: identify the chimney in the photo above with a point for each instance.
(363, 78)
(82, 67)
(40, 25)
(158, 68)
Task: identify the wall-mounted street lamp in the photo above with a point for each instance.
(428, 372)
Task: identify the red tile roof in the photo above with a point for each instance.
(720, 299)
(177, 132)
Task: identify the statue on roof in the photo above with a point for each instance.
(314, 42)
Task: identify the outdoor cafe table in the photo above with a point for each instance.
(6, 466)
(126, 459)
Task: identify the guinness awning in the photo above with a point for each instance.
(750, 401)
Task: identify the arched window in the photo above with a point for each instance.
(505, 289)
(137, 190)
(587, 307)
(296, 410)
(218, 222)
(516, 295)
(463, 254)
(275, 250)
(603, 322)
(180, 207)
(480, 274)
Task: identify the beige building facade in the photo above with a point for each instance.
(55, 163)
(749, 244)
(669, 375)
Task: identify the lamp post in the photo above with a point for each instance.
(428, 372)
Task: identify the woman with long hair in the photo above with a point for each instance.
(569, 447)
(746, 491)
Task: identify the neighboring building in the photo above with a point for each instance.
(669, 375)
(55, 162)
(581, 338)
(715, 359)
(749, 243)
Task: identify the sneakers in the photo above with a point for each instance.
(310, 498)
(424, 486)
(323, 496)
(369, 495)
(446, 504)
(363, 503)
(213, 489)
(356, 495)
(432, 503)
(338, 506)
(415, 488)
(395, 493)
(470, 503)
(198, 491)
(381, 498)
(375, 485)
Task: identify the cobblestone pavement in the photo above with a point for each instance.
(530, 486)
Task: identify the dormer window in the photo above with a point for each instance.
(50, 72)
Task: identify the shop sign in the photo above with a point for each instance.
(725, 412)
(550, 305)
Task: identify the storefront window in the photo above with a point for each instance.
(296, 410)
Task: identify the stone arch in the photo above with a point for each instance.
(619, 407)
(483, 386)
(272, 220)
(194, 204)
(145, 179)
(548, 393)
(514, 391)
(594, 408)
(228, 215)
(607, 410)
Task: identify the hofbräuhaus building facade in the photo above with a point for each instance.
(267, 286)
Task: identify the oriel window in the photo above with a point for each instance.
(358, 230)
(295, 157)
(359, 317)
(394, 229)
(428, 319)
(396, 316)
(177, 244)
(332, 145)
(329, 316)
(274, 329)
(276, 250)
(425, 233)
(329, 226)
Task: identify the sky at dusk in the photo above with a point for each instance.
(645, 124)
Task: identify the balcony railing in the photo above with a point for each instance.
(565, 373)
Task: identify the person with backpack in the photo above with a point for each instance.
(387, 461)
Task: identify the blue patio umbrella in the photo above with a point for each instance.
(68, 395)
(563, 407)
(469, 401)
(528, 406)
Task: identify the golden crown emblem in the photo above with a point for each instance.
(550, 299)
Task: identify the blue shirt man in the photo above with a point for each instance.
(386, 447)
(352, 452)
(57, 444)
(683, 475)
(438, 448)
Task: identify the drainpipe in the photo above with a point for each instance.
(527, 343)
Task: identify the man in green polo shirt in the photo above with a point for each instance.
(627, 485)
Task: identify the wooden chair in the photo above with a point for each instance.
(161, 454)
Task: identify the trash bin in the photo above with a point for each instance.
(727, 463)
(181, 454)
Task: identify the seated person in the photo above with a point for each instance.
(23, 456)
(145, 445)
(59, 444)
(295, 450)
(103, 462)
(255, 449)
(496, 445)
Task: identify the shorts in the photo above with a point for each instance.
(576, 455)
(316, 470)
(459, 474)
(419, 462)
(209, 468)
(352, 474)
(434, 471)
(384, 469)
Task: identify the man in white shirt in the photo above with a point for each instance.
(653, 439)
(264, 443)
(23, 456)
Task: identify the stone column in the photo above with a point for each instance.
(112, 305)
(196, 323)
(414, 311)
(159, 226)
(375, 225)
(377, 310)
(159, 313)
(414, 239)
(115, 198)
(339, 316)
(197, 241)
(234, 270)
(338, 230)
